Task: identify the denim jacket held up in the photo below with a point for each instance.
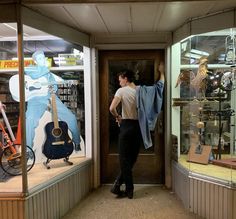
(149, 102)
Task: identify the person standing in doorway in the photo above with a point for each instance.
(130, 136)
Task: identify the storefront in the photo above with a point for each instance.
(199, 117)
(203, 116)
(60, 63)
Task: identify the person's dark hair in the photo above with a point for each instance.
(129, 74)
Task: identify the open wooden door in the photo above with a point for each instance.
(150, 164)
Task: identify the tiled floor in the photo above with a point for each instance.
(149, 202)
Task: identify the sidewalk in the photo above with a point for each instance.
(150, 202)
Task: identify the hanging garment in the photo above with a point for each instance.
(149, 102)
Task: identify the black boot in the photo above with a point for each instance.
(130, 194)
(115, 189)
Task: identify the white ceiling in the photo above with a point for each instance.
(146, 17)
(119, 18)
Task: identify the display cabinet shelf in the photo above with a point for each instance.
(210, 66)
(186, 101)
(61, 68)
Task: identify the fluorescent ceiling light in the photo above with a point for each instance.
(199, 52)
(184, 45)
(25, 58)
(191, 55)
(9, 26)
(13, 28)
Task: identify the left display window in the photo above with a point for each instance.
(54, 104)
(10, 133)
(54, 108)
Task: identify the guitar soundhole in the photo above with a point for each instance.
(56, 132)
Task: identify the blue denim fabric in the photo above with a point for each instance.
(149, 102)
(38, 105)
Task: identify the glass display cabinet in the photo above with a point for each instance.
(203, 104)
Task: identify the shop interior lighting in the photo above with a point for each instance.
(13, 28)
(184, 45)
(230, 48)
(191, 55)
(9, 26)
(26, 58)
(199, 52)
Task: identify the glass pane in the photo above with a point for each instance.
(144, 75)
(54, 96)
(203, 95)
(10, 148)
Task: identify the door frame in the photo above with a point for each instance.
(103, 67)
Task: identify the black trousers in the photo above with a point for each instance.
(129, 144)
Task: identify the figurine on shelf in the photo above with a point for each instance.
(199, 83)
(184, 79)
(37, 105)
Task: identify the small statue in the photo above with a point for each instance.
(184, 79)
(199, 83)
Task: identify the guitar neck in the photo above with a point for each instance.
(54, 111)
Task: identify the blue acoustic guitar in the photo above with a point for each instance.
(58, 144)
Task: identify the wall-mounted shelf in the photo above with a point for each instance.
(68, 68)
(61, 68)
(186, 101)
(210, 66)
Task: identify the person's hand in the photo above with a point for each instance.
(118, 120)
(161, 67)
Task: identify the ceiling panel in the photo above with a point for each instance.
(80, 16)
(88, 17)
(57, 12)
(175, 14)
(221, 5)
(144, 16)
(117, 17)
(130, 17)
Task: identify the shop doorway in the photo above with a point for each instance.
(150, 164)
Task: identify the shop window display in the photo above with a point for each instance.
(203, 95)
(67, 82)
(41, 87)
(10, 141)
(63, 118)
